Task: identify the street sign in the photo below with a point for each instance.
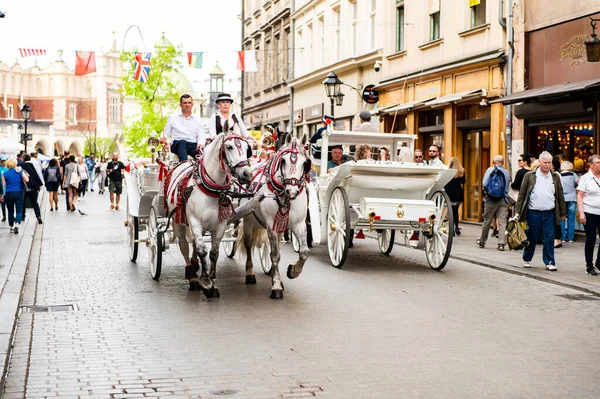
(370, 95)
(26, 137)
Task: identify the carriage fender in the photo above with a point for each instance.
(133, 194)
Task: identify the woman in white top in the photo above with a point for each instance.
(85, 177)
(588, 203)
(101, 166)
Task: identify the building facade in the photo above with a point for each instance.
(67, 109)
(442, 63)
(343, 36)
(267, 30)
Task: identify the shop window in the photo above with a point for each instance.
(114, 106)
(431, 118)
(400, 27)
(434, 26)
(477, 12)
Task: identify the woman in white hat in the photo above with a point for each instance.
(217, 121)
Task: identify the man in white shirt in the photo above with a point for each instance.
(365, 123)
(184, 130)
(434, 156)
(216, 122)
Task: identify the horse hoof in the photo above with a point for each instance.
(250, 279)
(210, 293)
(194, 286)
(276, 294)
(289, 272)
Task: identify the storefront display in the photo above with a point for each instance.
(571, 141)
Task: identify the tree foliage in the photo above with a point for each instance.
(156, 97)
(100, 146)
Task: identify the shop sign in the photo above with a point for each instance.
(370, 95)
(298, 115)
(574, 50)
(313, 112)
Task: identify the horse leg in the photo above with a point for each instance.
(216, 237)
(184, 247)
(250, 277)
(299, 231)
(204, 284)
(276, 283)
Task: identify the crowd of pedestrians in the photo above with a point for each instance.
(23, 179)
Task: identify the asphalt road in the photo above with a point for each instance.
(381, 327)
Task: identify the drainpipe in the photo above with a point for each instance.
(501, 14)
(291, 52)
(509, 84)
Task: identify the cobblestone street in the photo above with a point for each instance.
(381, 327)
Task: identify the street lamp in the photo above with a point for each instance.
(332, 89)
(26, 112)
(592, 46)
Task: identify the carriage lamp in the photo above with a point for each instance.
(333, 89)
(592, 46)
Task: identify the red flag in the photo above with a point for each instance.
(85, 62)
(247, 61)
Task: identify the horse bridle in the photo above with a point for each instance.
(276, 166)
(238, 144)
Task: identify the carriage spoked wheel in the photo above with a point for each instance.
(438, 246)
(229, 245)
(386, 238)
(133, 234)
(156, 245)
(264, 257)
(338, 227)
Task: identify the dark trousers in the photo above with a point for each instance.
(82, 187)
(183, 148)
(455, 215)
(66, 190)
(15, 200)
(3, 206)
(592, 228)
(33, 197)
(540, 223)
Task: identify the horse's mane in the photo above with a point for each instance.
(212, 150)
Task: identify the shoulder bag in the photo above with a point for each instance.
(75, 179)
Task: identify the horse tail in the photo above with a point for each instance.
(258, 238)
(239, 241)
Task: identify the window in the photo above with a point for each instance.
(11, 112)
(114, 109)
(336, 21)
(269, 66)
(373, 27)
(72, 114)
(257, 76)
(354, 28)
(434, 26)
(322, 39)
(277, 59)
(477, 12)
(310, 38)
(290, 55)
(400, 27)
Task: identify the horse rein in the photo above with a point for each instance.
(238, 144)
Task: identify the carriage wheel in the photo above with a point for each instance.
(338, 225)
(229, 245)
(264, 256)
(156, 245)
(386, 238)
(437, 248)
(295, 242)
(133, 234)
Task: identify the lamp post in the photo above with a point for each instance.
(26, 112)
(332, 89)
(592, 46)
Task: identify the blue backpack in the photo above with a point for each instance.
(496, 185)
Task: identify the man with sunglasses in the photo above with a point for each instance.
(419, 157)
(434, 156)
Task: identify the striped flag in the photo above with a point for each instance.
(247, 61)
(30, 52)
(195, 59)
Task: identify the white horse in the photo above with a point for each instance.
(284, 176)
(205, 204)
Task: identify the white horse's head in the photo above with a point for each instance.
(235, 153)
(291, 165)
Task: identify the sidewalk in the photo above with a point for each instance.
(569, 260)
(14, 257)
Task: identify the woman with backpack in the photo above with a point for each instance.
(52, 181)
(456, 190)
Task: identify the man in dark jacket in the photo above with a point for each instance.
(33, 186)
(542, 205)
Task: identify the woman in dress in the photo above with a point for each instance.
(14, 195)
(71, 189)
(102, 174)
(52, 181)
(82, 169)
(456, 190)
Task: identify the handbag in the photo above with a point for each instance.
(515, 235)
(75, 179)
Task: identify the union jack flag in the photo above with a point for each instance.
(142, 66)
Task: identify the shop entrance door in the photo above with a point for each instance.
(475, 161)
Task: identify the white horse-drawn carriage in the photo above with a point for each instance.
(383, 197)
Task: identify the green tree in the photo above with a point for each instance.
(156, 97)
(101, 146)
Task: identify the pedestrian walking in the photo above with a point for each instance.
(64, 162)
(115, 175)
(588, 204)
(495, 186)
(71, 181)
(33, 186)
(3, 169)
(101, 168)
(84, 174)
(542, 205)
(38, 165)
(52, 181)
(456, 190)
(91, 164)
(14, 195)
(557, 232)
(569, 180)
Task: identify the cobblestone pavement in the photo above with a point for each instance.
(381, 327)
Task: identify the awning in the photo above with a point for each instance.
(405, 106)
(451, 98)
(549, 91)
